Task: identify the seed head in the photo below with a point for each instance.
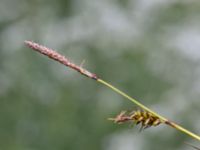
(60, 58)
(146, 119)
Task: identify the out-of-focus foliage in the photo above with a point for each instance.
(148, 48)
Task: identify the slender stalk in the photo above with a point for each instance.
(63, 60)
(166, 121)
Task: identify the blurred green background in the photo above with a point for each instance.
(148, 48)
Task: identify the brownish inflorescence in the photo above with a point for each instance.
(60, 58)
(146, 119)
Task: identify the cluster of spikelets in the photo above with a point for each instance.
(146, 119)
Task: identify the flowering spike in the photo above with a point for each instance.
(146, 119)
(149, 117)
(60, 58)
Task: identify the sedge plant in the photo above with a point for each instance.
(146, 116)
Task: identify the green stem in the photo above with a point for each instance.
(172, 124)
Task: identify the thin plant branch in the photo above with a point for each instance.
(63, 60)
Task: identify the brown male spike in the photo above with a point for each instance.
(60, 58)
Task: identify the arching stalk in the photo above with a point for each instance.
(63, 60)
